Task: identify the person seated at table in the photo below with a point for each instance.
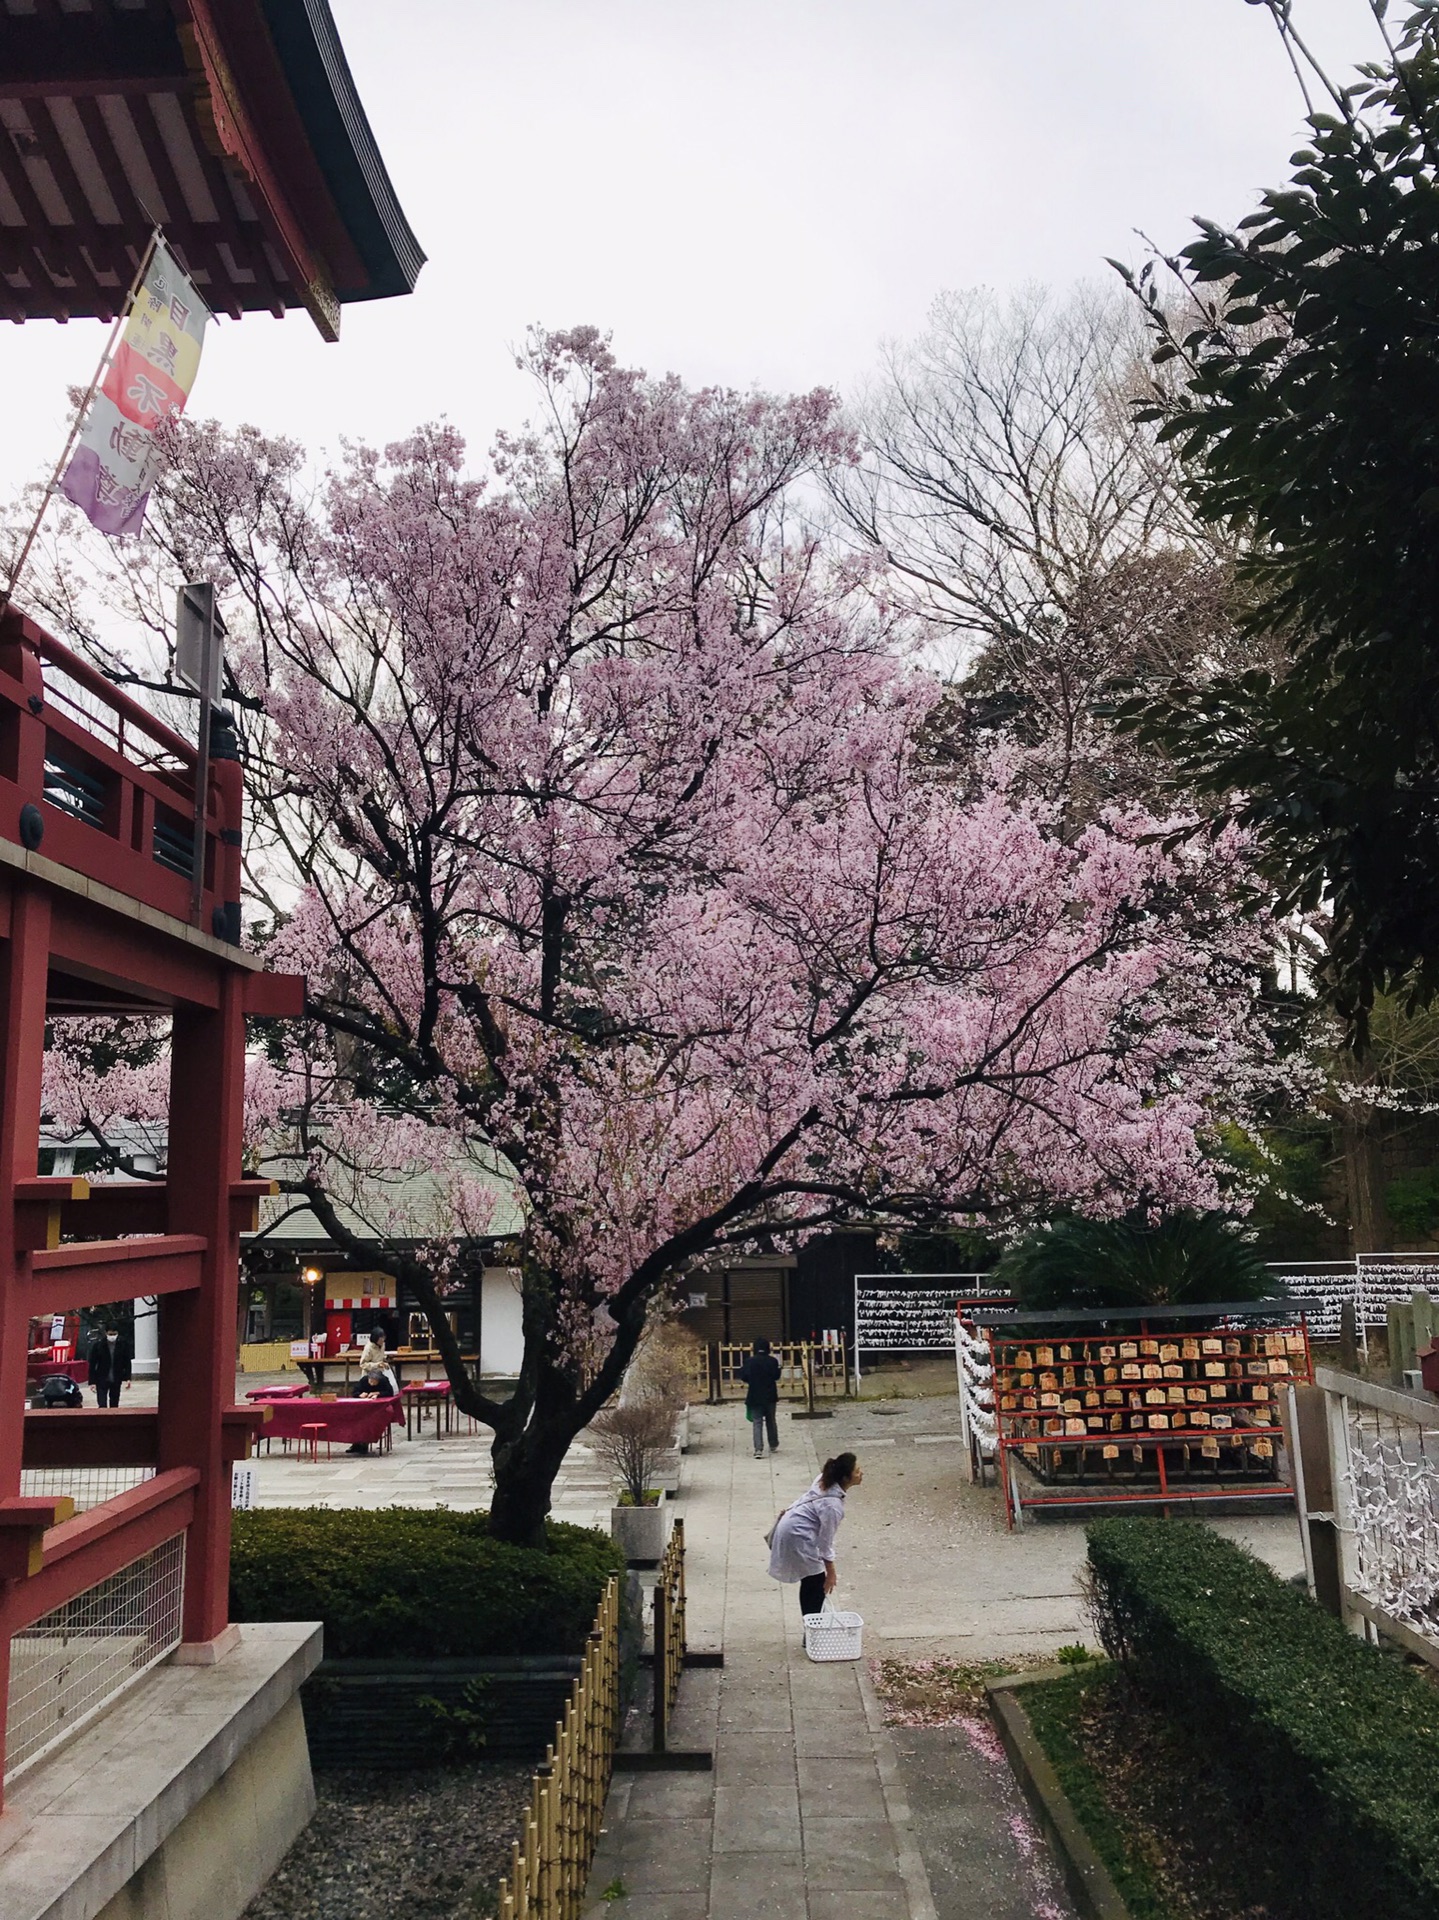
(380, 1383)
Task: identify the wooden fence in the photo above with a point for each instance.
(809, 1370)
(669, 1633)
(550, 1864)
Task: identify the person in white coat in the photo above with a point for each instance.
(802, 1543)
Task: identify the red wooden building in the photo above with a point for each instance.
(234, 125)
(94, 913)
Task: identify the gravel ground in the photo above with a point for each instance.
(429, 1845)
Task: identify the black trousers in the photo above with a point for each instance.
(763, 1421)
(811, 1593)
(108, 1394)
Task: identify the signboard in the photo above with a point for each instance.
(199, 657)
(299, 1349)
(242, 1486)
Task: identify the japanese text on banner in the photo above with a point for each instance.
(148, 381)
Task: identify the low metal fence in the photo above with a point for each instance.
(73, 1662)
(550, 1863)
(1370, 1284)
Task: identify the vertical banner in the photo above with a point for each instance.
(148, 381)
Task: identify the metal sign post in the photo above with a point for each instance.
(198, 661)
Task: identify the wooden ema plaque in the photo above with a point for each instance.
(1098, 1419)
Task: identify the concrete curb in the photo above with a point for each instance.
(1085, 1874)
(896, 1801)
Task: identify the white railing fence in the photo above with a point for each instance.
(1383, 1457)
(912, 1313)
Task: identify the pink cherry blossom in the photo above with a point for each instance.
(596, 798)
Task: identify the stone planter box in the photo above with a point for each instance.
(640, 1533)
(393, 1714)
(667, 1471)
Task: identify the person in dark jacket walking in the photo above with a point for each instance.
(109, 1361)
(760, 1373)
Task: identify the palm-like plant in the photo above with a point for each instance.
(1182, 1259)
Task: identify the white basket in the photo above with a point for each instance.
(833, 1635)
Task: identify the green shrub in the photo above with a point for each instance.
(407, 1583)
(1184, 1258)
(1332, 1744)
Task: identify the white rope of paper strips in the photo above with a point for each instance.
(977, 1368)
(1395, 1513)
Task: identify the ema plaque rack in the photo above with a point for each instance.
(1155, 1417)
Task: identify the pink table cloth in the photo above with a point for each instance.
(347, 1422)
(278, 1393)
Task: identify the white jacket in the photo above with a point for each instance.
(804, 1534)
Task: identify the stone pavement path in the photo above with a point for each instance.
(805, 1815)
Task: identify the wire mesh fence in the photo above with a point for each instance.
(73, 1662)
(86, 1486)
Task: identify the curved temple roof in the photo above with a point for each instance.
(234, 124)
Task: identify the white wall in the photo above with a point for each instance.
(502, 1342)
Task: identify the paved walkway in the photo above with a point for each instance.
(804, 1815)
(815, 1809)
(431, 1470)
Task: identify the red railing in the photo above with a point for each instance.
(51, 1556)
(92, 781)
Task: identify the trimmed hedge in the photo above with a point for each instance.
(406, 1582)
(1331, 1745)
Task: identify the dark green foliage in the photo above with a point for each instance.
(1186, 1258)
(406, 1582)
(1412, 1202)
(459, 1732)
(1053, 1710)
(1286, 1171)
(1305, 408)
(1332, 1744)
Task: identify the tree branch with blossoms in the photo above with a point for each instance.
(596, 794)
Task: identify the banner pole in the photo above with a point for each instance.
(100, 371)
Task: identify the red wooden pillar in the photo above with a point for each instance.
(197, 1329)
(24, 964)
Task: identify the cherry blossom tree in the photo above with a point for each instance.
(591, 800)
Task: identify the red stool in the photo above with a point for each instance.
(314, 1429)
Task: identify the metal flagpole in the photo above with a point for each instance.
(120, 318)
(197, 634)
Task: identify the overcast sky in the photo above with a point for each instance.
(747, 191)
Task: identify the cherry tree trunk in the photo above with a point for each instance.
(1361, 1141)
(525, 1471)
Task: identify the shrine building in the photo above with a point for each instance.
(153, 1754)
